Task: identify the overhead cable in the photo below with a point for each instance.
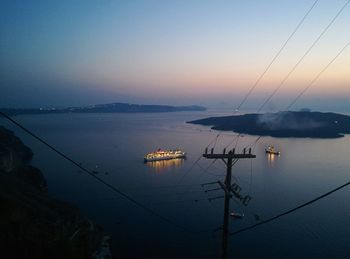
(88, 172)
(263, 222)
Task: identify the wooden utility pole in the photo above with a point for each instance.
(229, 159)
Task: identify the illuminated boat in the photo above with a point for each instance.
(272, 150)
(164, 155)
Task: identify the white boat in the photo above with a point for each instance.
(272, 150)
(164, 155)
(236, 215)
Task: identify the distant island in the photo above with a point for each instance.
(106, 108)
(302, 124)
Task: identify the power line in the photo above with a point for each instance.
(288, 107)
(273, 60)
(302, 92)
(300, 60)
(196, 162)
(180, 201)
(291, 210)
(258, 81)
(275, 57)
(113, 188)
(303, 56)
(189, 170)
(308, 86)
(317, 76)
(199, 176)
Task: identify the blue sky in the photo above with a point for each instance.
(176, 52)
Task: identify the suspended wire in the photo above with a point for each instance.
(300, 60)
(258, 80)
(235, 138)
(246, 209)
(216, 140)
(190, 187)
(180, 201)
(188, 190)
(275, 91)
(198, 159)
(189, 170)
(200, 175)
(311, 83)
(273, 60)
(111, 187)
(132, 200)
(154, 195)
(288, 107)
(275, 57)
(303, 56)
(253, 145)
(164, 186)
(317, 77)
(292, 210)
(205, 170)
(293, 102)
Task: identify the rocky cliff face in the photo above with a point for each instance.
(32, 224)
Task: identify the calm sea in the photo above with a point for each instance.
(113, 145)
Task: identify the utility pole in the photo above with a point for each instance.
(229, 159)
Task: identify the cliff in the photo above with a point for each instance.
(32, 224)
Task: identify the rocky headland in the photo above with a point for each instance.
(32, 224)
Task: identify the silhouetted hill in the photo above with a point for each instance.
(283, 124)
(32, 223)
(107, 108)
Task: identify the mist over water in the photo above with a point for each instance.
(287, 121)
(114, 145)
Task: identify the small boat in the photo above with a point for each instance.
(272, 150)
(164, 155)
(236, 215)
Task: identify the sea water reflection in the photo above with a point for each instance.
(163, 165)
(271, 159)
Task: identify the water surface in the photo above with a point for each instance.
(114, 145)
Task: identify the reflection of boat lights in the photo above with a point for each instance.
(271, 158)
(162, 165)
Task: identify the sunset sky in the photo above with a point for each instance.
(169, 52)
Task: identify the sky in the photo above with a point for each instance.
(68, 53)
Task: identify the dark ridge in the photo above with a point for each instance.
(302, 124)
(106, 108)
(33, 224)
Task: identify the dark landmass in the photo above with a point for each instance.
(106, 108)
(302, 124)
(32, 224)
